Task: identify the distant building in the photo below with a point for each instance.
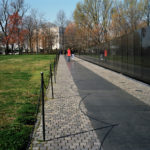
(47, 39)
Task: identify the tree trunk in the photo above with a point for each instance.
(7, 49)
(148, 19)
(12, 48)
(30, 41)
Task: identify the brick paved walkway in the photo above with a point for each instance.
(67, 128)
(136, 88)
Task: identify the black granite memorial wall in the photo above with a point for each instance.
(129, 54)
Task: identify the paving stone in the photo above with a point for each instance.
(35, 148)
(136, 88)
(63, 119)
(43, 148)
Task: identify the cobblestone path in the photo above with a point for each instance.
(67, 128)
(134, 87)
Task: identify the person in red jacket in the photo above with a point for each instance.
(68, 54)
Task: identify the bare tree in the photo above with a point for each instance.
(29, 24)
(93, 18)
(37, 22)
(4, 15)
(61, 18)
(1, 37)
(61, 22)
(8, 8)
(127, 16)
(50, 36)
(20, 7)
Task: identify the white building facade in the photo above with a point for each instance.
(48, 39)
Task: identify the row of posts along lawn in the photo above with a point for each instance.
(43, 86)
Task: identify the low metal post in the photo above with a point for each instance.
(56, 65)
(55, 71)
(43, 112)
(56, 62)
(51, 76)
(58, 56)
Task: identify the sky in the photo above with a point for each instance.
(50, 8)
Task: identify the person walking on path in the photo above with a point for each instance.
(72, 53)
(68, 54)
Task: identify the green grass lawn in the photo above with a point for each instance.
(19, 92)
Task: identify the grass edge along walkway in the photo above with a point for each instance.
(19, 91)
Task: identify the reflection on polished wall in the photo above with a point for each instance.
(129, 54)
